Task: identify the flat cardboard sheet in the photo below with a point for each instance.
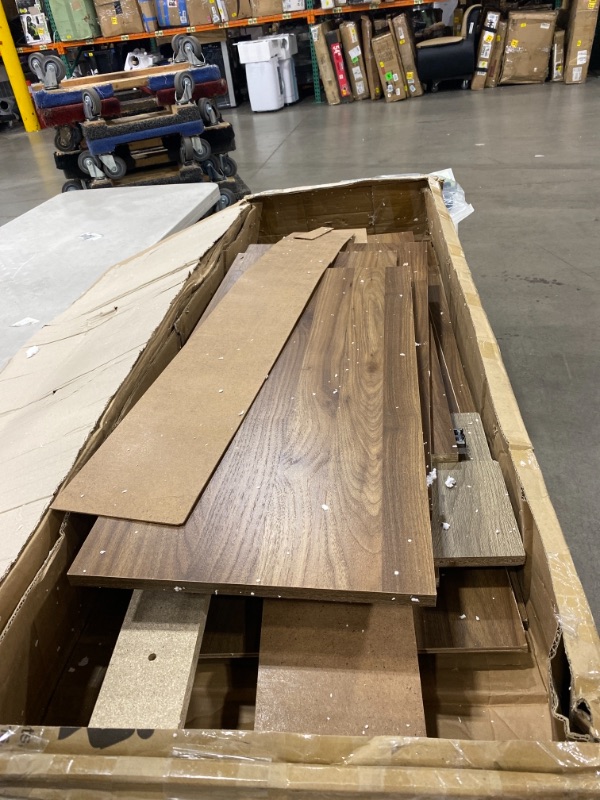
(51, 402)
(159, 459)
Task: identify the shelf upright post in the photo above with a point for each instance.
(313, 55)
(10, 57)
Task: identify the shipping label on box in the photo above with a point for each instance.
(486, 46)
(354, 60)
(402, 32)
(390, 69)
(290, 6)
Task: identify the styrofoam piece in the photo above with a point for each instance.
(55, 252)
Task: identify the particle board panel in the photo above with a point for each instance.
(482, 528)
(477, 446)
(322, 494)
(476, 612)
(241, 263)
(151, 672)
(338, 668)
(157, 461)
(444, 442)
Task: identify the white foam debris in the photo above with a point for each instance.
(31, 351)
(396, 572)
(431, 476)
(414, 600)
(178, 589)
(477, 618)
(463, 616)
(450, 482)
(446, 526)
(325, 507)
(25, 321)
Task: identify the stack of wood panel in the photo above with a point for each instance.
(314, 441)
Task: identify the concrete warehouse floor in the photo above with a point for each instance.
(527, 158)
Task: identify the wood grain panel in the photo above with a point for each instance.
(322, 493)
(157, 461)
(482, 526)
(444, 442)
(155, 657)
(477, 446)
(476, 611)
(338, 668)
(414, 257)
(398, 237)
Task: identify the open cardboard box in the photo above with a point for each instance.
(499, 726)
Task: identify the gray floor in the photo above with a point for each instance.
(528, 160)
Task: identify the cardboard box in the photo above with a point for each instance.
(35, 27)
(289, 6)
(491, 715)
(389, 67)
(119, 17)
(558, 57)
(529, 39)
(403, 36)
(74, 19)
(266, 8)
(148, 12)
(172, 13)
(355, 61)
(583, 18)
(203, 12)
(370, 63)
(487, 42)
(495, 66)
(334, 42)
(326, 70)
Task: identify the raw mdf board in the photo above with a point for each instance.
(457, 387)
(391, 238)
(444, 446)
(151, 672)
(476, 611)
(322, 494)
(477, 446)
(241, 263)
(482, 528)
(338, 668)
(157, 461)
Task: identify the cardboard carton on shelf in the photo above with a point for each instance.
(334, 42)
(148, 12)
(495, 65)
(390, 69)
(529, 38)
(34, 22)
(355, 61)
(172, 13)
(119, 17)
(266, 8)
(326, 71)
(375, 89)
(203, 12)
(557, 72)
(231, 10)
(487, 44)
(583, 17)
(289, 6)
(404, 39)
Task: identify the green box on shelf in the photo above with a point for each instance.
(74, 19)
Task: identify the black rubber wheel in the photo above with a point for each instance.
(184, 87)
(228, 198)
(119, 171)
(204, 154)
(36, 65)
(186, 150)
(59, 67)
(71, 186)
(92, 103)
(176, 42)
(189, 44)
(83, 159)
(228, 166)
(208, 111)
(67, 138)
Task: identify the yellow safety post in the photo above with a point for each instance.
(9, 55)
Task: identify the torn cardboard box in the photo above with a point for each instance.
(390, 69)
(403, 36)
(354, 60)
(487, 43)
(495, 65)
(528, 43)
(580, 38)
(326, 70)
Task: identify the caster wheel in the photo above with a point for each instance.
(184, 87)
(67, 138)
(186, 150)
(189, 45)
(466, 85)
(119, 170)
(71, 186)
(87, 162)
(228, 166)
(92, 104)
(55, 63)
(212, 169)
(202, 150)
(227, 199)
(208, 111)
(435, 87)
(176, 42)
(35, 62)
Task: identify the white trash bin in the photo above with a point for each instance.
(270, 71)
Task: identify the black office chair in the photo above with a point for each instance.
(450, 57)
